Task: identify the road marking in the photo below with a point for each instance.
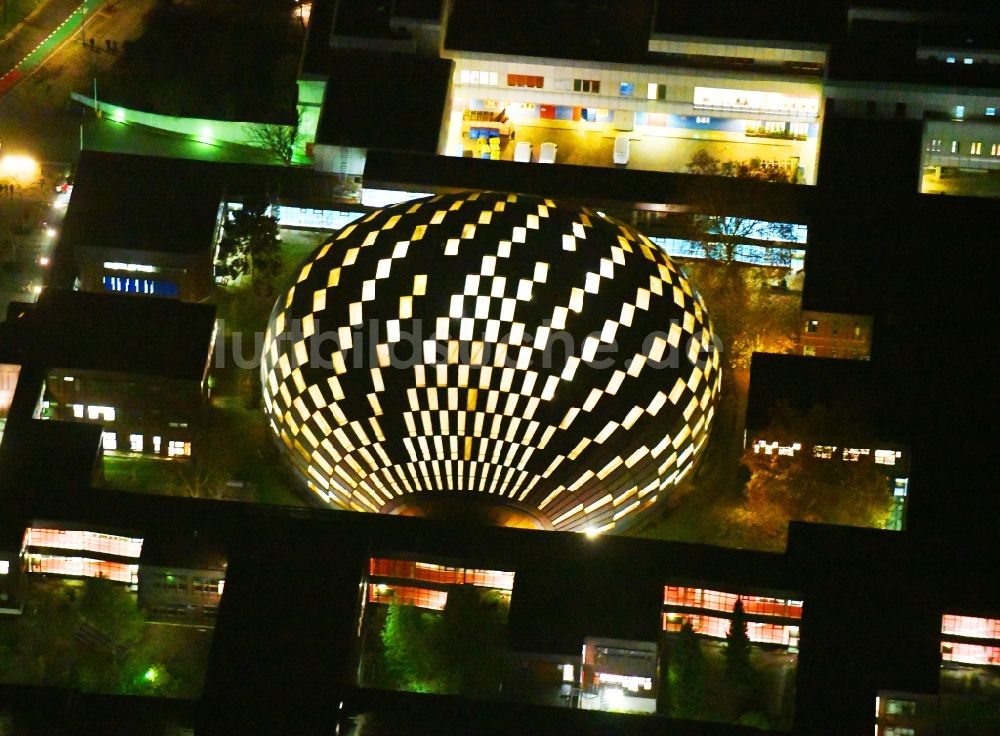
(17, 74)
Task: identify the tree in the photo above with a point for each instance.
(686, 674)
(711, 223)
(459, 651)
(747, 315)
(471, 641)
(406, 639)
(807, 487)
(250, 247)
(739, 671)
(278, 140)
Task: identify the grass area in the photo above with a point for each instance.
(141, 474)
(91, 636)
(699, 508)
(767, 701)
(963, 184)
(14, 11)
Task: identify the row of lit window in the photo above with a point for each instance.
(85, 541)
(408, 595)
(93, 413)
(966, 653)
(83, 567)
(971, 626)
(130, 267)
(409, 570)
(812, 326)
(826, 452)
(717, 600)
(773, 102)
(136, 443)
(975, 147)
(718, 627)
(627, 682)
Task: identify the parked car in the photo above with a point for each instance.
(622, 147)
(547, 153)
(522, 152)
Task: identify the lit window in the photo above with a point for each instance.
(976, 148)
(991, 111)
(109, 440)
(178, 448)
(857, 331)
(4, 567)
(156, 444)
(104, 413)
(77, 410)
(626, 89)
(651, 91)
(959, 111)
(135, 442)
(954, 146)
(809, 350)
(967, 60)
(812, 325)
(886, 457)
(525, 80)
(900, 708)
(950, 60)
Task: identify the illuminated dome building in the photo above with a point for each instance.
(529, 361)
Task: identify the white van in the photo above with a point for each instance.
(622, 147)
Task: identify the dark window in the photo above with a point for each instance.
(525, 80)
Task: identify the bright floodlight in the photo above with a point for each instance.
(493, 351)
(21, 168)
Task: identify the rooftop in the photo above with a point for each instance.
(595, 30)
(133, 202)
(44, 455)
(778, 20)
(802, 383)
(384, 100)
(115, 333)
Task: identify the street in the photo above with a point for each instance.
(37, 117)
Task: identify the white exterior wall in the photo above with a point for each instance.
(919, 99)
(559, 75)
(942, 136)
(763, 52)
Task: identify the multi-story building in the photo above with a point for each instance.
(135, 229)
(831, 335)
(137, 366)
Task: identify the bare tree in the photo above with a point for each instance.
(278, 140)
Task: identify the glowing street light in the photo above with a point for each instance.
(23, 169)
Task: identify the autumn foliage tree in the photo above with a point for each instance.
(807, 486)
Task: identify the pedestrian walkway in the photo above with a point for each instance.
(28, 46)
